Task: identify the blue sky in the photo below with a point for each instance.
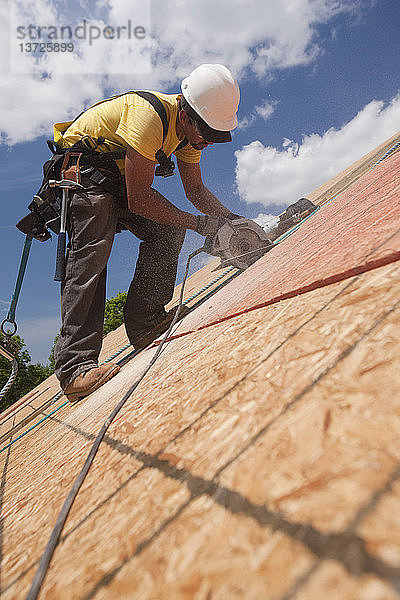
(319, 88)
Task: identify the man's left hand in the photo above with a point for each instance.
(209, 226)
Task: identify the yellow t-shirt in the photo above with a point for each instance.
(129, 120)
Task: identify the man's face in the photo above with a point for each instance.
(193, 135)
(200, 143)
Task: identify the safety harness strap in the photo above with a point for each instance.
(162, 113)
(156, 103)
(158, 107)
(87, 144)
(183, 143)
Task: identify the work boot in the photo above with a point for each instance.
(302, 208)
(89, 381)
(148, 325)
(294, 214)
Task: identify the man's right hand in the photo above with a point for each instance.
(209, 226)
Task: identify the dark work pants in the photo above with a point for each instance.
(92, 218)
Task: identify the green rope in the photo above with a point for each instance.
(10, 318)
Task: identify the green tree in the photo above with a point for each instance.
(29, 375)
(113, 316)
(51, 357)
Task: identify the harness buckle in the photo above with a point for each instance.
(166, 168)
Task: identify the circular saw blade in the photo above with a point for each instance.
(240, 243)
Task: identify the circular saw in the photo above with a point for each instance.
(239, 242)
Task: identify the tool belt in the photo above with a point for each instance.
(80, 160)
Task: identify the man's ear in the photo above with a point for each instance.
(183, 117)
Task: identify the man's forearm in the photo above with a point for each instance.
(154, 206)
(207, 203)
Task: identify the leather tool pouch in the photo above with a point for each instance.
(70, 164)
(70, 167)
(46, 205)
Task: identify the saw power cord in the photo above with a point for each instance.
(236, 272)
(65, 510)
(63, 515)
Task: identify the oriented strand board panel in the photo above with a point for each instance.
(253, 462)
(46, 398)
(331, 582)
(231, 556)
(259, 458)
(357, 231)
(347, 177)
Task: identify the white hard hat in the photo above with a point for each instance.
(213, 93)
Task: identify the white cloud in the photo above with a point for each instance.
(254, 35)
(43, 88)
(38, 335)
(4, 306)
(203, 260)
(267, 221)
(264, 111)
(40, 328)
(184, 34)
(274, 176)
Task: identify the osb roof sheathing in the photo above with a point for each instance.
(260, 457)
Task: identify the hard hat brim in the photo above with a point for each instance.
(215, 136)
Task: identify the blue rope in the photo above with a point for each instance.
(206, 287)
(387, 153)
(390, 151)
(33, 426)
(117, 353)
(293, 229)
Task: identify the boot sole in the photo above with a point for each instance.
(72, 398)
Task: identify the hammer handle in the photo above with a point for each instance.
(60, 257)
(61, 244)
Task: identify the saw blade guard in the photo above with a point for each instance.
(240, 243)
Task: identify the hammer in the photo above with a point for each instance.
(65, 185)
